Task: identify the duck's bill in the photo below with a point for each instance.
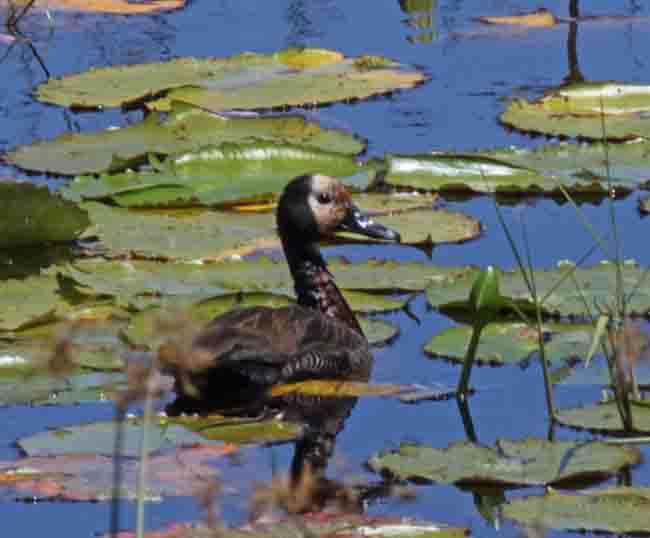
(358, 222)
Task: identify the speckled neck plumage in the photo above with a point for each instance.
(315, 286)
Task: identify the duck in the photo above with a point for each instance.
(251, 349)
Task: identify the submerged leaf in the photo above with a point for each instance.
(522, 463)
(293, 77)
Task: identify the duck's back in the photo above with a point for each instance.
(261, 346)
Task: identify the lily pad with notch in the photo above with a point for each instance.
(530, 462)
(246, 81)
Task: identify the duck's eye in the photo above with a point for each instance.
(324, 198)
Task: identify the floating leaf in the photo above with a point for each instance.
(428, 226)
(218, 175)
(626, 164)
(506, 172)
(116, 7)
(604, 417)
(316, 524)
(507, 343)
(30, 301)
(591, 285)
(340, 389)
(125, 279)
(202, 235)
(540, 18)
(575, 111)
(89, 477)
(529, 462)
(616, 510)
(246, 81)
(31, 215)
(163, 433)
(184, 129)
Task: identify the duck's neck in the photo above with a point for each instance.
(315, 286)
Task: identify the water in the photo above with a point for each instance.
(473, 69)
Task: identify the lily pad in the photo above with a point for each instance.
(163, 433)
(116, 7)
(245, 81)
(596, 284)
(316, 524)
(615, 510)
(447, 172)
(508, 343)
(218, 175)
(89, 477)
(340, 389)
(184, 129)
(504, 172)
(31, 215)
(604, 417)
(428, 226)
(30, 301)
(202, 235)
(530, 462)
(41, 389)
(575, 111)
(125, 279)
(586, 167)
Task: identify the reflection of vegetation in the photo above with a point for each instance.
(421, 18)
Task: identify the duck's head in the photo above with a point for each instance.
(315, 206)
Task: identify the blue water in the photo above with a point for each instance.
(473, 69)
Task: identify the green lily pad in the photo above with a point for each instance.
(511, 172)
(245, 81)
(585, 167)
(126, 279)
(530, 462)
(184, 129)
(318, 524)
(89, 477)
(217, 175)
(576, 110)
(616, 510)
(163, 433)
(597, 284)
(604, 417)
(428, 226)
(38, 389)
(378, 331)
(508, 343)
(30, 301)
(202, 235)
(32, 215)
(463, 172)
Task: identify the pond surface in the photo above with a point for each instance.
(473, 70)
